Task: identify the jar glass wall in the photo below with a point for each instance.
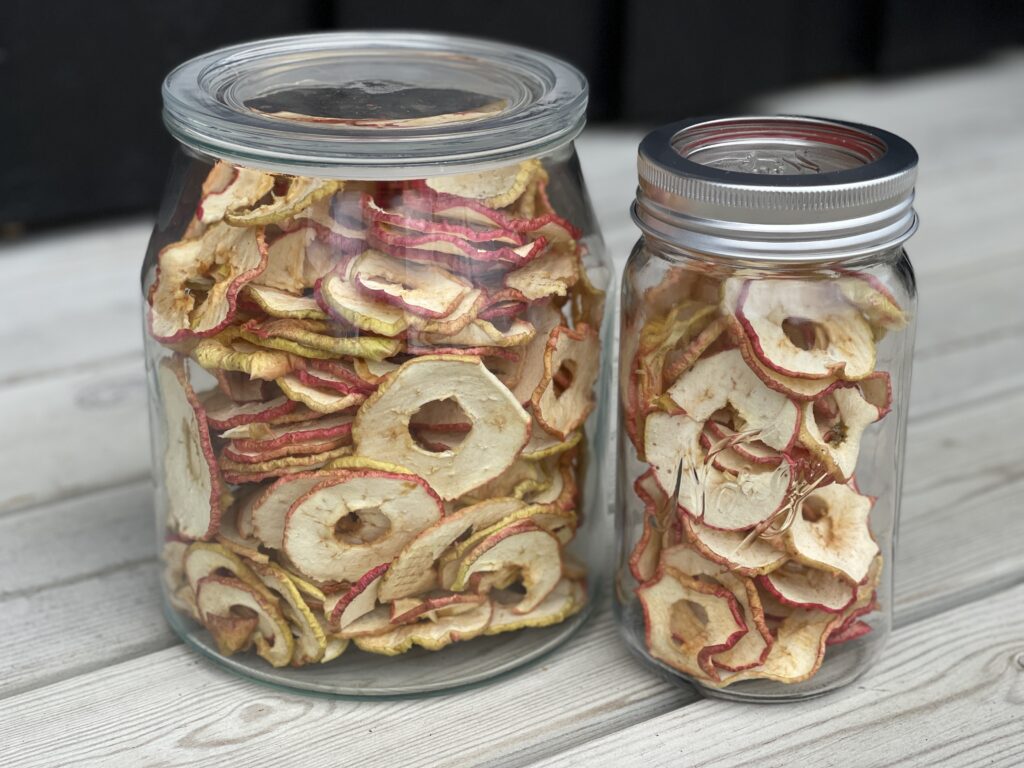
(763, 400)
(374, 402)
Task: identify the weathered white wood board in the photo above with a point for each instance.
(947, 690)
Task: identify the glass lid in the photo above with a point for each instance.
(374, 105)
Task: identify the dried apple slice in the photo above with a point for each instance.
(877, 390)
(198, 281)
(483, 333)
(836, 442)
(230, 537)
(543, 445)
(239, 387)
(271, 505)
(746, 449)
(259, 437)
(355, 520)
(420, 289)
(224, 414)
(238, 455)
(192, 481)
(689, 621)
(806, 329)
(237, 615)
(431, 635)
(790, 386)
(830, 532)
(576, 356)
(434, 606)
(295, 261)
(412, 572)
(499, 425)
(724, 380)
(230, 187)
(310, 639)
(552, 273)
(429, 224)
(230, 353)
(566, 599)
(339, 296)
(207, 558)
(302, 192)
(522, 545)
(359, 600)
(240, 472)
(494, 188)
(311, 339)
(798, 650)
(316, 398)
(451, 251)
(868, 294)
(544, 317)
(731, 549)
(808, 589)
(646, 554)
(719, 499)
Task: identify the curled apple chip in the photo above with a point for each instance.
(724, 380)
(544, 317)
(877, 390)
(494, 188)
(412, 570)
(567, 598)
(499, 425)
(207, 558)
(732, 549)
(355, 520)
(309, 637)
(870, 296)
(420, 218)
(239, 615)
(311, 339)
(646, 554)
(229, 187)
(192, 481)
(361, 598)
(483, 333)
(260, 437)
(228, 352)
(745, 448)
(302, 192)
(523, 545)
(688, 621)
(238, 472)
(717, 498)
(224, 414)
(420, 289)
(543, 445)
(809, 589)
(552, 273)
(451, 251)
(440, 208)
(805, 329)
(339, 296)
(836, 441)
(790, 386)
(319, 399)
(198, 281)
(830, 532)
(431, 635)
(271, 504)
(295, 261)
(564, 397)
(230, 536)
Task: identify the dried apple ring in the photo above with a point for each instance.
(499, 426)
(219, 598)
(574, 354)
(835, 440)
(356, 520)
(495, 188)
(831, 532)
(302, 192)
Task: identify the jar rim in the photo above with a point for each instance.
(779, 187)
(279, 104)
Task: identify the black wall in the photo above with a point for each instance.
(80, 131)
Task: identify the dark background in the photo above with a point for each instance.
(80, 126)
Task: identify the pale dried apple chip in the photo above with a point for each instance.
(238, 615)
(576, 355)
(431, 635)
(295, 261)
(494, 188)
(355, 520)
(836, 441)
(499, 425)
(732, 549)
(552, 273)
(243, 472)
(192, 481)
(310, 639)
(808, 589)
(806, 329)
(228, 187)
(225, 414)
(198, 282)
(830, 532)
(338, 294)
(271, 504)
(361, 598)
(724, 380)
(868, 294)
(318, 399)
(423, 290)
(229, 352)
(302, 192)
(567, 598)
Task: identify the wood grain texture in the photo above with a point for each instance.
(947, 691)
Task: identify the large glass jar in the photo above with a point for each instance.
(374, 303)
(766, 335)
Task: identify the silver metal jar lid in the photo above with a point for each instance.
(782, 188)
(374, 105)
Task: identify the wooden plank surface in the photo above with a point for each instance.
(85, 665)
(947, 690)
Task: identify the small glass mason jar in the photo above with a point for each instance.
(766, 335)
(374, 313)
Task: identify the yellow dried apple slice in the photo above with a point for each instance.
(423, 290)
(688, 621)
(338, 295)
(724, 380)
(830, 532)
(243, 472)
(483, 333)
(870, 296)
(431, 635)
(499, 425)
(228, 187)
(552, 273)
(566, 599)
(312, 339)
(316, 398)
(544, 317)
(543, 444)
(194, 487)
(719, 499)
(198, 281)
(523, 545)
(798, 649)
(572, 356)
(806, 329)
(302, 192)
(237, 615)
(836, 441)
(809, 589)
(295, 261)
(310, 639)
(495, 188)
(230, 353)
(355, 520)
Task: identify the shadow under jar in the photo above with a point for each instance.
(374, 309)
(767, 325)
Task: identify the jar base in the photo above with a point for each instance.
(360, 675)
